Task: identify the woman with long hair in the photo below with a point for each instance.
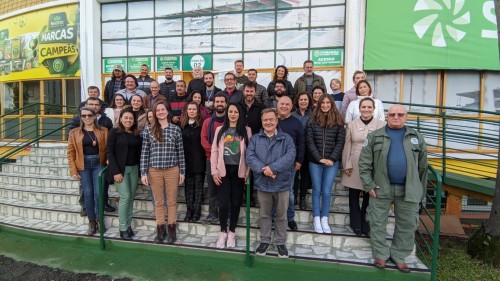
(113, 111)
(281, 73)
(198, 98)
(123, 150)
(363, 90)
(163, 167)
(356, 133)
(325, 136)
(191, 123)
(302, 179)
(230, 170)
(86, 158)
(139, 111)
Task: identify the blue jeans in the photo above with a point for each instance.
(322, 178)
(89, 179)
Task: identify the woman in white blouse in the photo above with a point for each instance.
(363, 90)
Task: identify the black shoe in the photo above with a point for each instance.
(282, 251)
(83, 212)
(262, 249)
(292, 225)
(108, 208)
(124, 235)
(171, 234)
(210, 219)
(161, 232)
(366, 233)
(92, 227)
(130, 232)
(357, 231)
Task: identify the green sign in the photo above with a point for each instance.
(173, 62)
(327, 57)
(191, 61)
(431, 34)
(134, 63)
(108, 65)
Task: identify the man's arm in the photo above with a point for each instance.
(252, 160)
(287, 161)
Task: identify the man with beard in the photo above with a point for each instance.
(279, 89)
(240, 78)
(167, 88)
(261, 93)
(292, 126)
(144, 79)
(309, 80)
(116, 83)
(197, 84)
(178, 101)
(207, 137)
(210, 89)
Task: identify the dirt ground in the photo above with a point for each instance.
(12, 270)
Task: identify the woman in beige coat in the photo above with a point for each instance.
(356, 133)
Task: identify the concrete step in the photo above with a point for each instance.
(39, 181)
(43, 159)
(52, 151)
(37, 169)
(326, 248)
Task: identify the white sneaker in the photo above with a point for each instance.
(231, 239)
(317, 225)
(324, 225)
(221, 242)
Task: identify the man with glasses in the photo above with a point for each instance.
(279, 90)
(116, 83)
(235, 95)
(393, 169)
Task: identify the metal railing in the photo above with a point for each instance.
(22, 128)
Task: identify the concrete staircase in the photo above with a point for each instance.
(37, 194)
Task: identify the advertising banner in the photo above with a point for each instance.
(173, 62)
(431, 34)
(40, 44)
(191, 61)
(327, 57)
(134, 63)
(108, 65)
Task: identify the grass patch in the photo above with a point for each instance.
(455, 264)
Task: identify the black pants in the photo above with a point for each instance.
(230, 195)
(357, 215)
(302, 180)
(193, 192)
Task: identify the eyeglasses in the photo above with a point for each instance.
(400, 115)
(87, 116)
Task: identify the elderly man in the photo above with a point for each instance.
(271, 156)
(234, 95)
(154, 96)
(309, 80)
(197, 83)
(393, 169)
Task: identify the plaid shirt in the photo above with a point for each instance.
(162, 155)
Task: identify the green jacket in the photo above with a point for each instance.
(373, 164)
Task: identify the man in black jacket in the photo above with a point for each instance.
(116, 83)
(103, 121)
(167, 88)
(93, 92)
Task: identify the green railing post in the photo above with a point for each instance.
(37, 127)
(437, 226)
(248, 257)
(443, 160)
(102, 174)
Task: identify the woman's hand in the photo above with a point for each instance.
(181, 178)
(326, 162)
(348, 172)
(217, 179)
(76, 177)
(118, 178)
(144, 180)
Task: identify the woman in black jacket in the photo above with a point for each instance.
(195, 160)
(325, 137)
(123, 150)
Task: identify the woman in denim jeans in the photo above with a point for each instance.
(325, 137)
(86, 158)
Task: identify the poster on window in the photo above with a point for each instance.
(40, 44)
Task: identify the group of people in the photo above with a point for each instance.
(280, 141)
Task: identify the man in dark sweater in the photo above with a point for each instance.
(93, 92)
(178, 101)
(197, 83)
(234, 95)
(144, 80)
(167, 88)
(116, 83)
(292, 126)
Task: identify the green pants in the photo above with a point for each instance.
(126, 189)
(406, 225)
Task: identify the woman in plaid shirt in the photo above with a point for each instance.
(163, 166)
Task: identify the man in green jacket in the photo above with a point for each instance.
(393, 169)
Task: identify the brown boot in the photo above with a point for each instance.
(172, 235)
(92, 227)
(160, 234)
